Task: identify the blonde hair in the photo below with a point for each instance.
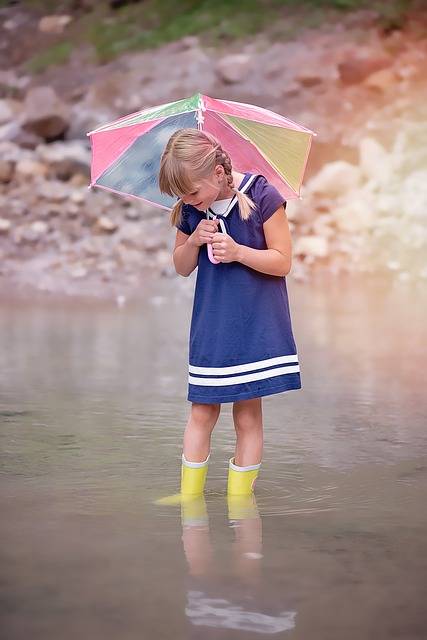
(195, 153)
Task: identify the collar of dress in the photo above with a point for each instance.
(212, 215)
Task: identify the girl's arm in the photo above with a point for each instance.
(185, 254)
(277, 259)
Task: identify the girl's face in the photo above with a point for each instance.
(205, 191)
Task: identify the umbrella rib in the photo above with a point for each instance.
(131, 195)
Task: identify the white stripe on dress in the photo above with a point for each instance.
(240, 368)
(251, 377)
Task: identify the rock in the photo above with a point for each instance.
(44, 113)
(335, 178)
(53, 191)
(5, 225)
(105, 224)
(78, 271)
(30, 168)
(413, 195)
(355, 69)
(92, 246)
(381, 80)
(372, 155)
(322, 226)
(66, 158)
(308, 78)
(7, 111)
(12, 86)
(31, 233)
(7, 169)
(79, 180)
(189, 42)
(132, 214)
(12, 132)
(39, 227)
(234, 68)
(72, 210)
(153, 243)
(311, 246)
(86, 117)
(54, 23)
(355, 214)
(77, 197)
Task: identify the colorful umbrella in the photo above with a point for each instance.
(126, 153)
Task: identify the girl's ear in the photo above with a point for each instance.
(219, 171)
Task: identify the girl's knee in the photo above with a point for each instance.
(248, 414)
(205, 413)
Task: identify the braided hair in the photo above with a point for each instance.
(191, 155)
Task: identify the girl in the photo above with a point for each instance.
(241, 343)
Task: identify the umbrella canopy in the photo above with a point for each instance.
(126, 153)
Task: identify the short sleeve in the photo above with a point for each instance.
(184, 225)
(269, 201)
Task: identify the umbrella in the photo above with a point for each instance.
(126, 153)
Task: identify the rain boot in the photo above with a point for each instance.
(241, 480)
(193, 478)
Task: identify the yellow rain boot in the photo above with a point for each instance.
(193, 478)
(241, 480)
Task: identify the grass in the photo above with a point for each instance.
(55, 55)
(152, 23)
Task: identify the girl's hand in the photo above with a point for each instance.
(225, 249)
(204, 232)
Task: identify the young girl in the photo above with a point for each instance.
(241, 343)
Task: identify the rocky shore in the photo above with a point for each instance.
(364, 205)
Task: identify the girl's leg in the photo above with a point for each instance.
(247, 416)
(197, 435)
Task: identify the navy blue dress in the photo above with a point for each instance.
(241, 342)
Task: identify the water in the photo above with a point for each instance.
(93, 407)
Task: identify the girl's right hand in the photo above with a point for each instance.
(204, 232)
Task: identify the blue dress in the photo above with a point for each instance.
(241, 342)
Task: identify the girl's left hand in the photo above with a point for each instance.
(225, 249)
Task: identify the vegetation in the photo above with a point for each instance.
(149, 24)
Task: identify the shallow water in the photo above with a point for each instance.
(93, 407)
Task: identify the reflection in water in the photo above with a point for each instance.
(206, 604)
(92, 413)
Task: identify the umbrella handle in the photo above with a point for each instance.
(211, 255)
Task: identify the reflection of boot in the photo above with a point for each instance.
(242, 507)
(193, 478)
(194, 511)
(241, 480)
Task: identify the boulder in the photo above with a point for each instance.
(106, 224)
(311, 246)
(30, 168)
(374, 161)
(356, 68)
(44, 114)
(5, 225)
(7, 169)
(381, 80)
(234, 68)
(335, 178)
(65, 159)
(54, 23)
